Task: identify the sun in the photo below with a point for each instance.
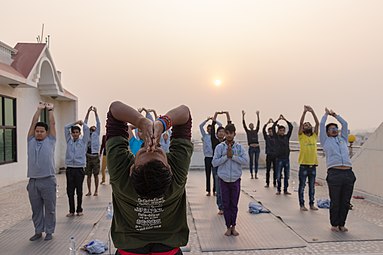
(217, 83)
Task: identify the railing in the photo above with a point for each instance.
(197, 161)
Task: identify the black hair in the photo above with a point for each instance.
(331, 124)
(280, 127)
(73, 128)
(152, 179)
(270, 128)
(209, 126)
(230, 128)
(42, 124)
(220, 128)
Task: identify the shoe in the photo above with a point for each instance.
(214, 193)
(208, 194)
(48, 237)
(286, 193)
(88, 194)
(303, 208)
(334, 229)
(35, 237)
(267, 185)
(252, 176)
(234, 232)
(228, 232)
(70, 215)
(255, 176)
(278, 193)
(80, 214)
(312, 207)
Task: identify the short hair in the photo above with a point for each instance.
(230, 128)
(42, 124)
(151, 180)
(280, 127)
(270, 128)
(73, 128)
(220, 128)
(209, 126)
(331, 124)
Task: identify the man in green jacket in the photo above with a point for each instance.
(149, 196)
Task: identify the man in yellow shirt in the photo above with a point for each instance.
(308, 160)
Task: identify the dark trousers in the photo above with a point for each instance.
(74, 181)
(208, 169)
(340, 185)
(285, 165)
(217, 189)
(254, 158)
(230, 196)
(306, 171)
(270, 160)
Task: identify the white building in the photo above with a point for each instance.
(28, 75)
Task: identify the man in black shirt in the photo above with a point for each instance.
(270, 152)
(283, 153)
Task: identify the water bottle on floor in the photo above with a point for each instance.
(72, 246)
(109, 211)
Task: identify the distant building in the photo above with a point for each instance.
(28, 75)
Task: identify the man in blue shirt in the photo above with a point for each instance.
(228, 157)
(75, 160)
(92, 156)
(41, 173)
(340, 177)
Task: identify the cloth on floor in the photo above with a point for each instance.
(323, 203)
(96, 247)
(255, 208)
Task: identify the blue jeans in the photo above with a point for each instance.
(306, 171)
(285, 164)
(254, 158)
(217, 189)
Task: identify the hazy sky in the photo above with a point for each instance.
(273, 56)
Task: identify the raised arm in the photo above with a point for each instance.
(177, 116)
(125, 113)
(243, 121)
(300, 130)
(344, 131)
(98, 123)
(87, 114)
(258, 122)
(202, 126)
(154, 113)
(264, 128)
(52, 122)
(227, 117)
(35, 119)
(290, 128)
(322, 126)
(316, 127)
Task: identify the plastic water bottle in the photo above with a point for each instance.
(109, 211)
(72, 246)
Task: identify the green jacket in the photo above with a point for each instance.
(138, 222)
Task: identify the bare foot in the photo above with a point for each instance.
(303, 208)
(220, 212)
(208, 194)
(88, 194)
(312, 207)
(234, 232)
(335, 229)
(343, 229)
(95, 193)
(228, 232)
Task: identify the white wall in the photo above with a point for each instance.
(27, 100)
